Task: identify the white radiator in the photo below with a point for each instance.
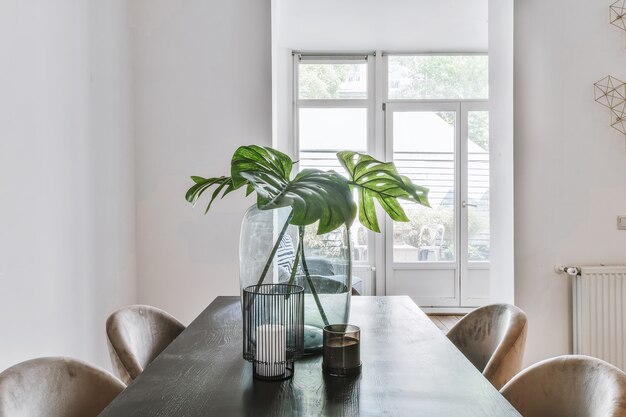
(600, 313)
(366, 273)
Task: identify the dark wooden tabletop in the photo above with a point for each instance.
(409, 369)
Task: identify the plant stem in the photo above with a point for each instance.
(308, 277)
(275, 249)
(294, 269)
(349, 258)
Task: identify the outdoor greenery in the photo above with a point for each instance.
(329, 245)
(322, 81)
(438, 77)
(413, 77)
(410, 77)
(478, 128)
(409, 233)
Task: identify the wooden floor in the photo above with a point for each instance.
(444, 322)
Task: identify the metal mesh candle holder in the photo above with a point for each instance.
(273, 329)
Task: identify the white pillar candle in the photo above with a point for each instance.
(271, 348)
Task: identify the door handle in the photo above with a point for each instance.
(466, 204)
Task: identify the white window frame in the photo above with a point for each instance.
(461, 107)
(377, 99)
(368, 103)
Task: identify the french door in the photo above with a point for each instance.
(441, 257)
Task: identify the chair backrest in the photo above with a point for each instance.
(569, 386)
(136, 335)
(56, 387)
(493, 338)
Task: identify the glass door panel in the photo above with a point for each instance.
(441, 257)
(424, 151)
(475, 205)
(422, 139)
(478, 186)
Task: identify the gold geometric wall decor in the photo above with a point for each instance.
(619, 124)
(617, 14)
(618, 117)
(611, 93)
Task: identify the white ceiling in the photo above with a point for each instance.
(388, 25)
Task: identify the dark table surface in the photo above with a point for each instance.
(409, 369)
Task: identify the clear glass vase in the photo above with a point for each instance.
(273, 251)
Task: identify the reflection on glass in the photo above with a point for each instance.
(332, 81)
(330, 245)
(478, 185)
(424, 150)
(438, 77)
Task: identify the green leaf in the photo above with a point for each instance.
(318, 195)
(196, 190)
(219, 188)
(367, 211)
(203, 184)
(380, 181)
(314, 195)
(271, 166)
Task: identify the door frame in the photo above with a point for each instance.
(465, 265)
(460, 265)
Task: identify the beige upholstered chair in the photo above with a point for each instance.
(136, 335)
(569, 386)
(493, 339)
(56, 387)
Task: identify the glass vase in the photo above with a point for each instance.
(272, 251)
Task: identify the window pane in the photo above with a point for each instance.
(478, 185)
(332, 81)
(423, 150)
(438, 77)
(332, 129)
(323, 132)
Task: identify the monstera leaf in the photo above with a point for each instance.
(313, 194)
(380, 181)
(203, 184)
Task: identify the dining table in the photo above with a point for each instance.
(409, 368)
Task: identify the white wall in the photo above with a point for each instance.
(393, 25)
(570, 166)
(501, 153)
(366, 25)
(202, 87)
(66, 177)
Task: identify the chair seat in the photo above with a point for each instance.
(569, 386)
(56, 387)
